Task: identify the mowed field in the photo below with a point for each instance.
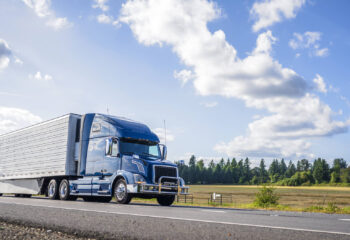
(293, 197)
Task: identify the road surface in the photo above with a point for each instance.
(141, 221)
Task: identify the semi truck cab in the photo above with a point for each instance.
(123, 158)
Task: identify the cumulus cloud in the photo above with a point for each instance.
(161, 134)
(59, 23)
(184, 76)
(101, 4)
(18, 61)
(309, 40)
(268, 12)
(106, 19)
(5, 53)
(42, 10)
(41, 77)
(259, 80)
(103, 18)
(320, 84)
(15, 118)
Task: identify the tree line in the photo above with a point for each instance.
(231, 171)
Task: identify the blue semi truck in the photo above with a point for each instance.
(92, 156)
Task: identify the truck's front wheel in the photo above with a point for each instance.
(166, 200)
(120, 192)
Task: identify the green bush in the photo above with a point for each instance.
(266, 197)
(332, 208)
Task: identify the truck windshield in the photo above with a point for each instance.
(139, 148)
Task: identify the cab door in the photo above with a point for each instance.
(106, 167)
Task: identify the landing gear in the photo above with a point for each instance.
(64, 191)
(120, 192)
(52, 189)
(166, 200)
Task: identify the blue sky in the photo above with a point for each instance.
(261, 79)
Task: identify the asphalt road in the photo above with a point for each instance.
(138, 221)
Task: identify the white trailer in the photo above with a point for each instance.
(43, 150)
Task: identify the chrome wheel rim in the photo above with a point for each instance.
(120, 192)
(52, 189)
(63, 190)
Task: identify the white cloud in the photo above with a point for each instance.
(209, 104)
(309, 40)
(101, 4)
(259, 80)
(42, 10)
(184, 76)
(59, 23)
(103, 18)
(15, 118)
(320, 84)
(269, 12)
(106, 19)
(161, 134)
(5, 53)
(321, 52)
(40, 7)
(40, 77)
(18, 61)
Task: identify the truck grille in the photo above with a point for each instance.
(161, 171)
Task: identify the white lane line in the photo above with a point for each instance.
(345, 219)
(214, 211)
(184, 219)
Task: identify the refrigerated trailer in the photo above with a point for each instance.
(93, 156)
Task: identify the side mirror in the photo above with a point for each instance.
(109, 144)
(164, 151)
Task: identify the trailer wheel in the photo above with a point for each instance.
(0, 194)
(166, 200)
(120, 192)
(52, 189)
(64, 191)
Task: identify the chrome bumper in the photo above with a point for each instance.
(163, 187)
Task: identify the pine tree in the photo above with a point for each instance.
(290, 170)
(263, 173)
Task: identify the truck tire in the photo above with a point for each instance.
(120, 192)
(166, 200)
(0, 194)
(52, 189)
(64, 191)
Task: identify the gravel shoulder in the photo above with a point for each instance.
(18, 231)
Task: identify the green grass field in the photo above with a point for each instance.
(314, 198)
(293, 197)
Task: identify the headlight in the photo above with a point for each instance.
(139, 179)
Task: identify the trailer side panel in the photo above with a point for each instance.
(42, 150)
